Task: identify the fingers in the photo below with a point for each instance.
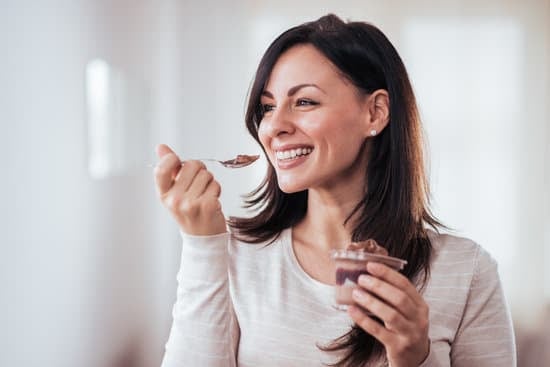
(166, 171)
(188, 173)
(370, 325)
(393, 299)
(390, 294)
(190, 193)
(200, 182)
(402, 348)
(163, 149)
(392, 318)
(396, 279)
(191, 177)
(213, 190)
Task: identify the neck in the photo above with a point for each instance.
(325, 227)
(326, 224)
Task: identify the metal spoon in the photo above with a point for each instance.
(241, 160)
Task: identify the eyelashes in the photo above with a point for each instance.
(302, 102)
(266, 108)
(306, 102)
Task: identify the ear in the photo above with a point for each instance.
(378, 104)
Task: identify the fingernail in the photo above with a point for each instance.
(358, 295)
(365, 279)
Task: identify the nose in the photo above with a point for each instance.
(278, 122)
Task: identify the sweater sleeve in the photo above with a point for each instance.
(204, 329)
(485, 336)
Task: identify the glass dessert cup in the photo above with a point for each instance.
(349, 266)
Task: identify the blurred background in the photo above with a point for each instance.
(89, 87)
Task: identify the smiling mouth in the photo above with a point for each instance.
(287, 155)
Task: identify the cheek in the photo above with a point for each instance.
(265, 141)
(262, 135)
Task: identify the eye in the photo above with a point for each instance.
(267, 108)
(306, 102)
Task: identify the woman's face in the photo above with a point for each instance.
(315, 123)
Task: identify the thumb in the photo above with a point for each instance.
(163, 149)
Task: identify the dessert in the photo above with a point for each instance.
(352, 262)
(243, 158)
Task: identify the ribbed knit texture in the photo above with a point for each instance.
(250, 305)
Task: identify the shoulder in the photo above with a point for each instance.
(257, 254)
(237, 244)
(458, 266)
(455, 252)
(461, 272)
(467, 304)
(255, 270)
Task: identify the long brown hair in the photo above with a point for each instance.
(395, 208)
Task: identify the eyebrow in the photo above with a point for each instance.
(293, 90)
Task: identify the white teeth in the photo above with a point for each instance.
(292, 153)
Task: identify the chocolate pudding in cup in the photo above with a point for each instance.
(350, 264)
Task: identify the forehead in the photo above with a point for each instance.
(302, 64)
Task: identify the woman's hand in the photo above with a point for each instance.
(391, 297)
(190, 192)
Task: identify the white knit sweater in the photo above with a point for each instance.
(251, 305)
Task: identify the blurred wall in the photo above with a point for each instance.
(77, 280)
(88, 266)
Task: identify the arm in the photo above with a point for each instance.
(204, 329)
(485, 336)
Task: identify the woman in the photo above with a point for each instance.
(334, 112)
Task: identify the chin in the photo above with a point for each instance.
(290, 185)
(290, 190)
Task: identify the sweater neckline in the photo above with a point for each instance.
(286, 239)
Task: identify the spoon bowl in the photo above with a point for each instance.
(241, 160)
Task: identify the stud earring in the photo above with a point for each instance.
(373, 132)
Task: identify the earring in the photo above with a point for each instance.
(373, 132)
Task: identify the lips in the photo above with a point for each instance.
(288, 154)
